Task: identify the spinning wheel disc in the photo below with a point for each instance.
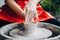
(41, 33)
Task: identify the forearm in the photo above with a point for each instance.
(15, 7)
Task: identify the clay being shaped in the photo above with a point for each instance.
(30, 10)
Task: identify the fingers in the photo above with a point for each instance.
(29, 16)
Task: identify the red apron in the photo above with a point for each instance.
(8, 15)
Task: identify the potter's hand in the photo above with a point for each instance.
(29, 14)
(30, 9)
(15, 7)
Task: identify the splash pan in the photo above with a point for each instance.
(40, 33)
(11, 31)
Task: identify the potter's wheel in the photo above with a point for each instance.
(41, 33)
(10, 31)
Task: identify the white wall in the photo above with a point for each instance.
(1, 2)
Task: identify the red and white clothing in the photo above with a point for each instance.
(7, 14)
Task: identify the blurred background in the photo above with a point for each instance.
(52, 6)
(1, 2)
